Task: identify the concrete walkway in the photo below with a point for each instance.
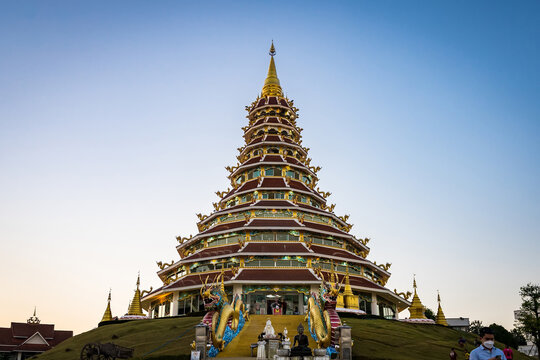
(239, 347)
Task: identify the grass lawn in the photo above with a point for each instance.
(386, 339)
(373, 340)
(143, 335)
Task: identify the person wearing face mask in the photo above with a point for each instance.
(487, 351)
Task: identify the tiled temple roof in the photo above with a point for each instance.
(213, 252)
(195, 279)
(330, 251)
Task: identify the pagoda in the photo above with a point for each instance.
(272, 236)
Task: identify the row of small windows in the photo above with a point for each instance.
(285, 261)
(353, 269)
(272, 213)
(273, 195)
(211, 265)
(273, 171)
(276, 236)
(293, 235)
(273, 150)
(274, 112)
(273, 131)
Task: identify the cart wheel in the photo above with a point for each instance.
(90, 352)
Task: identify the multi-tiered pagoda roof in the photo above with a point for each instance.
(273, 229)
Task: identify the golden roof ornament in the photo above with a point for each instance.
(416, 309)
(440, 319)
(107, 316)
(271, 83)
(135, 306)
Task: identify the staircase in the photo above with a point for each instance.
(240, 345)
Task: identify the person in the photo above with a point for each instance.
(453, 355)
(508, 352)
(302, 349)
(487, 351)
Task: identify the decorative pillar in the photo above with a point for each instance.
(345, 342)
(150, 311)
(374, 305)
(201, 339)
(174, 305)
(301, 304)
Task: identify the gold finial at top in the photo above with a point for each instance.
(271, 83)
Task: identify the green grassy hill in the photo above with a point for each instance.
(373, 340)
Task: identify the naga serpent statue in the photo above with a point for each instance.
(225, 319)
(321, 311)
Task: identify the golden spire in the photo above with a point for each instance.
(271, 84)
(332, 273)
(416, 309)
(351, 300)
(107, 316)
(135, 306)
(440, 319)
(347, 290)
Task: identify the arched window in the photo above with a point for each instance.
(261, 132)
(240, 179)
(255, 173)
(290, 153)
(273, 151)
(272, 131)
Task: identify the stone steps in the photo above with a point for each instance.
(239, 347)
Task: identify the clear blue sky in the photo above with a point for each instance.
(118, 117)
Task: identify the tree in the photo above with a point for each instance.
(504, 336)
(520, 339)
(429, 314)
(528, 318)
(475, 327)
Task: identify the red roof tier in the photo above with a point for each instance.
(334, 252)
(273, 182)
(223, 227)
(273, 158)
(322, 227)
(195, 279)
(214, 252)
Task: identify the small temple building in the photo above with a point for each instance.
(273, 235)
(23, 340)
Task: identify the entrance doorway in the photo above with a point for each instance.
(276, 303)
